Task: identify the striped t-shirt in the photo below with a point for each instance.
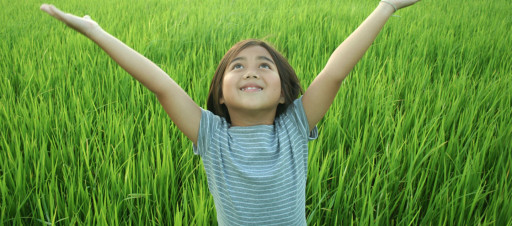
(257, 174)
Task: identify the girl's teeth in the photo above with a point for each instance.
(251, 88)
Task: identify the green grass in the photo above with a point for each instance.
(420, 132)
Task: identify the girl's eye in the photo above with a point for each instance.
(238, 66)
(265, 66)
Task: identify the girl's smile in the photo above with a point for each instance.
(251, 87)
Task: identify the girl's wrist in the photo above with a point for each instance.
(386, 8)
(390, 4)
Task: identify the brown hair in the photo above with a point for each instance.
(290, 85)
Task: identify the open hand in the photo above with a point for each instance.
(84, 25)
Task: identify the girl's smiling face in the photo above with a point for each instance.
(251, 85)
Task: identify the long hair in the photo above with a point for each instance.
(290, 85)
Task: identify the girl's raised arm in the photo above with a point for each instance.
(319, 96)
(184, 112)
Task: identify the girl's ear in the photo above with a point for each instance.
(282, 99)
(221, 100)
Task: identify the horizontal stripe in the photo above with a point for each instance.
(257, 174)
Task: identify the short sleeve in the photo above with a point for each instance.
(297, 115)
(207, 126)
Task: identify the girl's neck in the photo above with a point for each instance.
(252, 118)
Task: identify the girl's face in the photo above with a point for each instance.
(251, 83)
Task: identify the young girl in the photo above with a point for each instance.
(253, 139)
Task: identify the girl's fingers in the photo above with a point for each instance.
(53, 11)
(45, 7)
(62, 16)
(81, 24)
(408, 3)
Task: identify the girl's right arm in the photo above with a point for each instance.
(184, 112)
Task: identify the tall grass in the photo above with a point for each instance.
(420, 132)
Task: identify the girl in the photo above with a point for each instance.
(253, 137)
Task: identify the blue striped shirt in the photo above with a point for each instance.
(257, 174)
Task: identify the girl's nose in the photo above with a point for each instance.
(251, 74)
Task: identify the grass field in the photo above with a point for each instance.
(420, 132)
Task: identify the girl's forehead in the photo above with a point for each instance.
(256, 50)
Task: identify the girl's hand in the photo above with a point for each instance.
(399, 4)
(83, 25)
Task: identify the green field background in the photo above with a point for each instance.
(420, 132)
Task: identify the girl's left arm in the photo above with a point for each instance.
(319, 96)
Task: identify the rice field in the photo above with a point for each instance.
(420, 132)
